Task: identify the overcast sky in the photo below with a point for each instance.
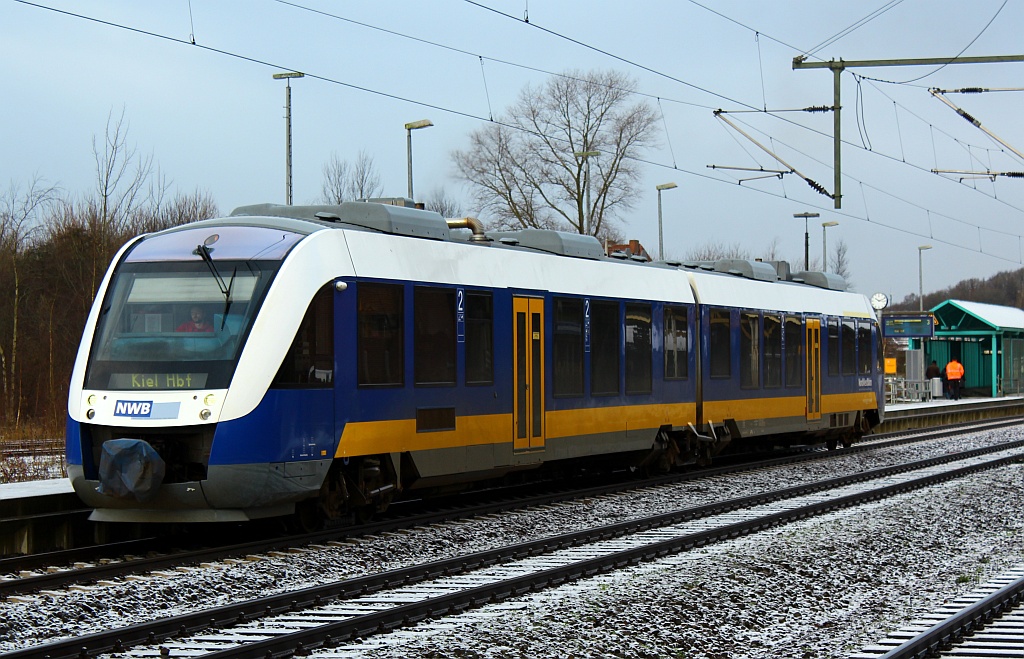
(212, 117)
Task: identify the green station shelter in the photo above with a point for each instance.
(987, 339)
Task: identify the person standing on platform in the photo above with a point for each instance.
(955, 376)
(933, 371)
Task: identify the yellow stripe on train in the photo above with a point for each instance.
(394, 436)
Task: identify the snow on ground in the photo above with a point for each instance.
(819, 588)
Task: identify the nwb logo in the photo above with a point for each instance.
(133, 408)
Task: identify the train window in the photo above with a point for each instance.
(750, 351)
(864, 347)
(604, 348)
(719, 344)
(772, 351)
(479, 338)
(567, 352)
(677, 358)
(434, 335)
(794, 345)
(849, 341)
(309, 361)
(380, 320)
(833, 346)
(638, 348)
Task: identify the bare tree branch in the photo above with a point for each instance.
(525, 169)
(344, 182)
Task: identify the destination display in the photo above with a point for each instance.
(908, 327)
(128, 381)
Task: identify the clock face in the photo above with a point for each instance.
(879, 301)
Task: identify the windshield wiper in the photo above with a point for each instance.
(225, 288)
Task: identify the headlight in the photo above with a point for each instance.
(209, 399)
(204, 415)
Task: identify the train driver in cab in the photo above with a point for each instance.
(197, 322)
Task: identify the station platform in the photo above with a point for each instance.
(40, 515)
(940, 411)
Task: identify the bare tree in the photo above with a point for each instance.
(19, 217)
(122, 176)
(180, 210)
(344, 182)
(716, 251)
(841, 262)
(440, 202)
(528, 168)
(122, 182)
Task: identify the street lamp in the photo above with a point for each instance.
(588, 215)
(807, 239)
(661, 245)
(409, 128)
(824, 247)
(288, 130)
(920, 277)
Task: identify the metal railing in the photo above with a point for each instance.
(902, 390)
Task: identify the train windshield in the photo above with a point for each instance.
(176, 325)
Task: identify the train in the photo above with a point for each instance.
(319, 362)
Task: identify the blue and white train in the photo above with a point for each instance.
(323, 360)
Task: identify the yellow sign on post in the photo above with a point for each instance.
(890, 366)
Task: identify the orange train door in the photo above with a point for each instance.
(528, 374)
(813, 369)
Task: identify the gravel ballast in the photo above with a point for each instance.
(819, 588)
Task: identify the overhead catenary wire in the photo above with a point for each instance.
(774, 113)
(470, 115)
(951, 59)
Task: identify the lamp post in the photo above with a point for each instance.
(807, 238)
(920, 277)
(661, 244)
(824, 246)
(409, 128)
(288, 131)
(588, 215)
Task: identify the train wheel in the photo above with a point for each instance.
(832, 443)
(357, 489)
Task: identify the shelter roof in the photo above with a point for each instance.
(955, 315)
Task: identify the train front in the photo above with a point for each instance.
(148, 435)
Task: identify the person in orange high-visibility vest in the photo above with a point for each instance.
(955, 376)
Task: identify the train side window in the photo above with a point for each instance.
(434, 335)
(750, 351)
(309, 361)
(381, 323)
(677, 362)
(720, 322)
(604, 348)
(833, 346)
(567, 352)
(864, 347)
(638, 349)
(772, 351)
(794, 344)
(849, 341)
(479, 338)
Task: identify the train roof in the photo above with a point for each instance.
(726, 282)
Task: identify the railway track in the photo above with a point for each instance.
(345, 611)
(51, 570)
(31, 448)
(986, 623)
